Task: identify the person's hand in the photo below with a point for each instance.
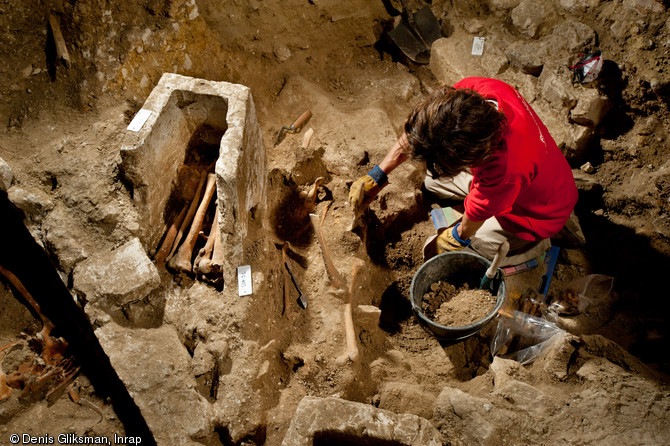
(449, 240)
(364, 190)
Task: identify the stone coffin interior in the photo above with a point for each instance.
(188, 121)
(210, 126)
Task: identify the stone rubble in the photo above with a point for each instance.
(111, 279)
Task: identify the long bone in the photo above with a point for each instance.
(351, 353)
(216, 267)
(203, 260)
(333, 274)
(170, 236)
(189, 215)
(181, 261)
(47, 325)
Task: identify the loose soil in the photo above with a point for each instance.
(452, 307)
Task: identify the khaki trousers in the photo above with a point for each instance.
(490, 235)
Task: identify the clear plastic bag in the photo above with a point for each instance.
(522, 337)
(581, 293)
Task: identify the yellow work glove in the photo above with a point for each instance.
(364, 190)
(449, 241)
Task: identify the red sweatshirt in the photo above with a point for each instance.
(526, 183)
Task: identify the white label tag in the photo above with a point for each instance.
(138, 121)
(244, 280)
(478, 46)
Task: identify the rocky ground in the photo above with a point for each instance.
(207, 366)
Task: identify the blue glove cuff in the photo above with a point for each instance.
(378, 175)
(454, 232)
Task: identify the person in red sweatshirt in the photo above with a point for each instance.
(483, 143)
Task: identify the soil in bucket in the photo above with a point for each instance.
(455, 307)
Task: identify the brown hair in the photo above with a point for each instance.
(452, 130)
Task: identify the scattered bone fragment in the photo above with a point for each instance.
(587, 167)
(311, 195)
(307, 138)
(181, 261)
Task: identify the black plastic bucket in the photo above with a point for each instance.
(457, 268)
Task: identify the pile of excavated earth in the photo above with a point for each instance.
(180, 173)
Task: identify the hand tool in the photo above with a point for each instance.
(493, 269)
(302, 300)
(416, 32)
(295, 127)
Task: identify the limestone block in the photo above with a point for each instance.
(451, 59)
(61, 237)
(203, 360)
(408, 398)
(580, 139)
(578, 6)
(555, 361)
(525, 397)
(503, 5)
(556, 88)
(503, 370)
(6, 175)
(533, 17)
(115, 278)
(348, 422)
(584, 181)
(465, 417)
(367, 317)
(591, 108)
(528, 57)
(645, 7)
(155, 367)
(399, 198)
(572, 139)
(571, 36)
(34, 203)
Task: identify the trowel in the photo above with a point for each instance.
(416, 32)
(490, 274)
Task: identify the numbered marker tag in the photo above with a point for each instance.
(244, 280)
(478, 46)
(138, 121)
